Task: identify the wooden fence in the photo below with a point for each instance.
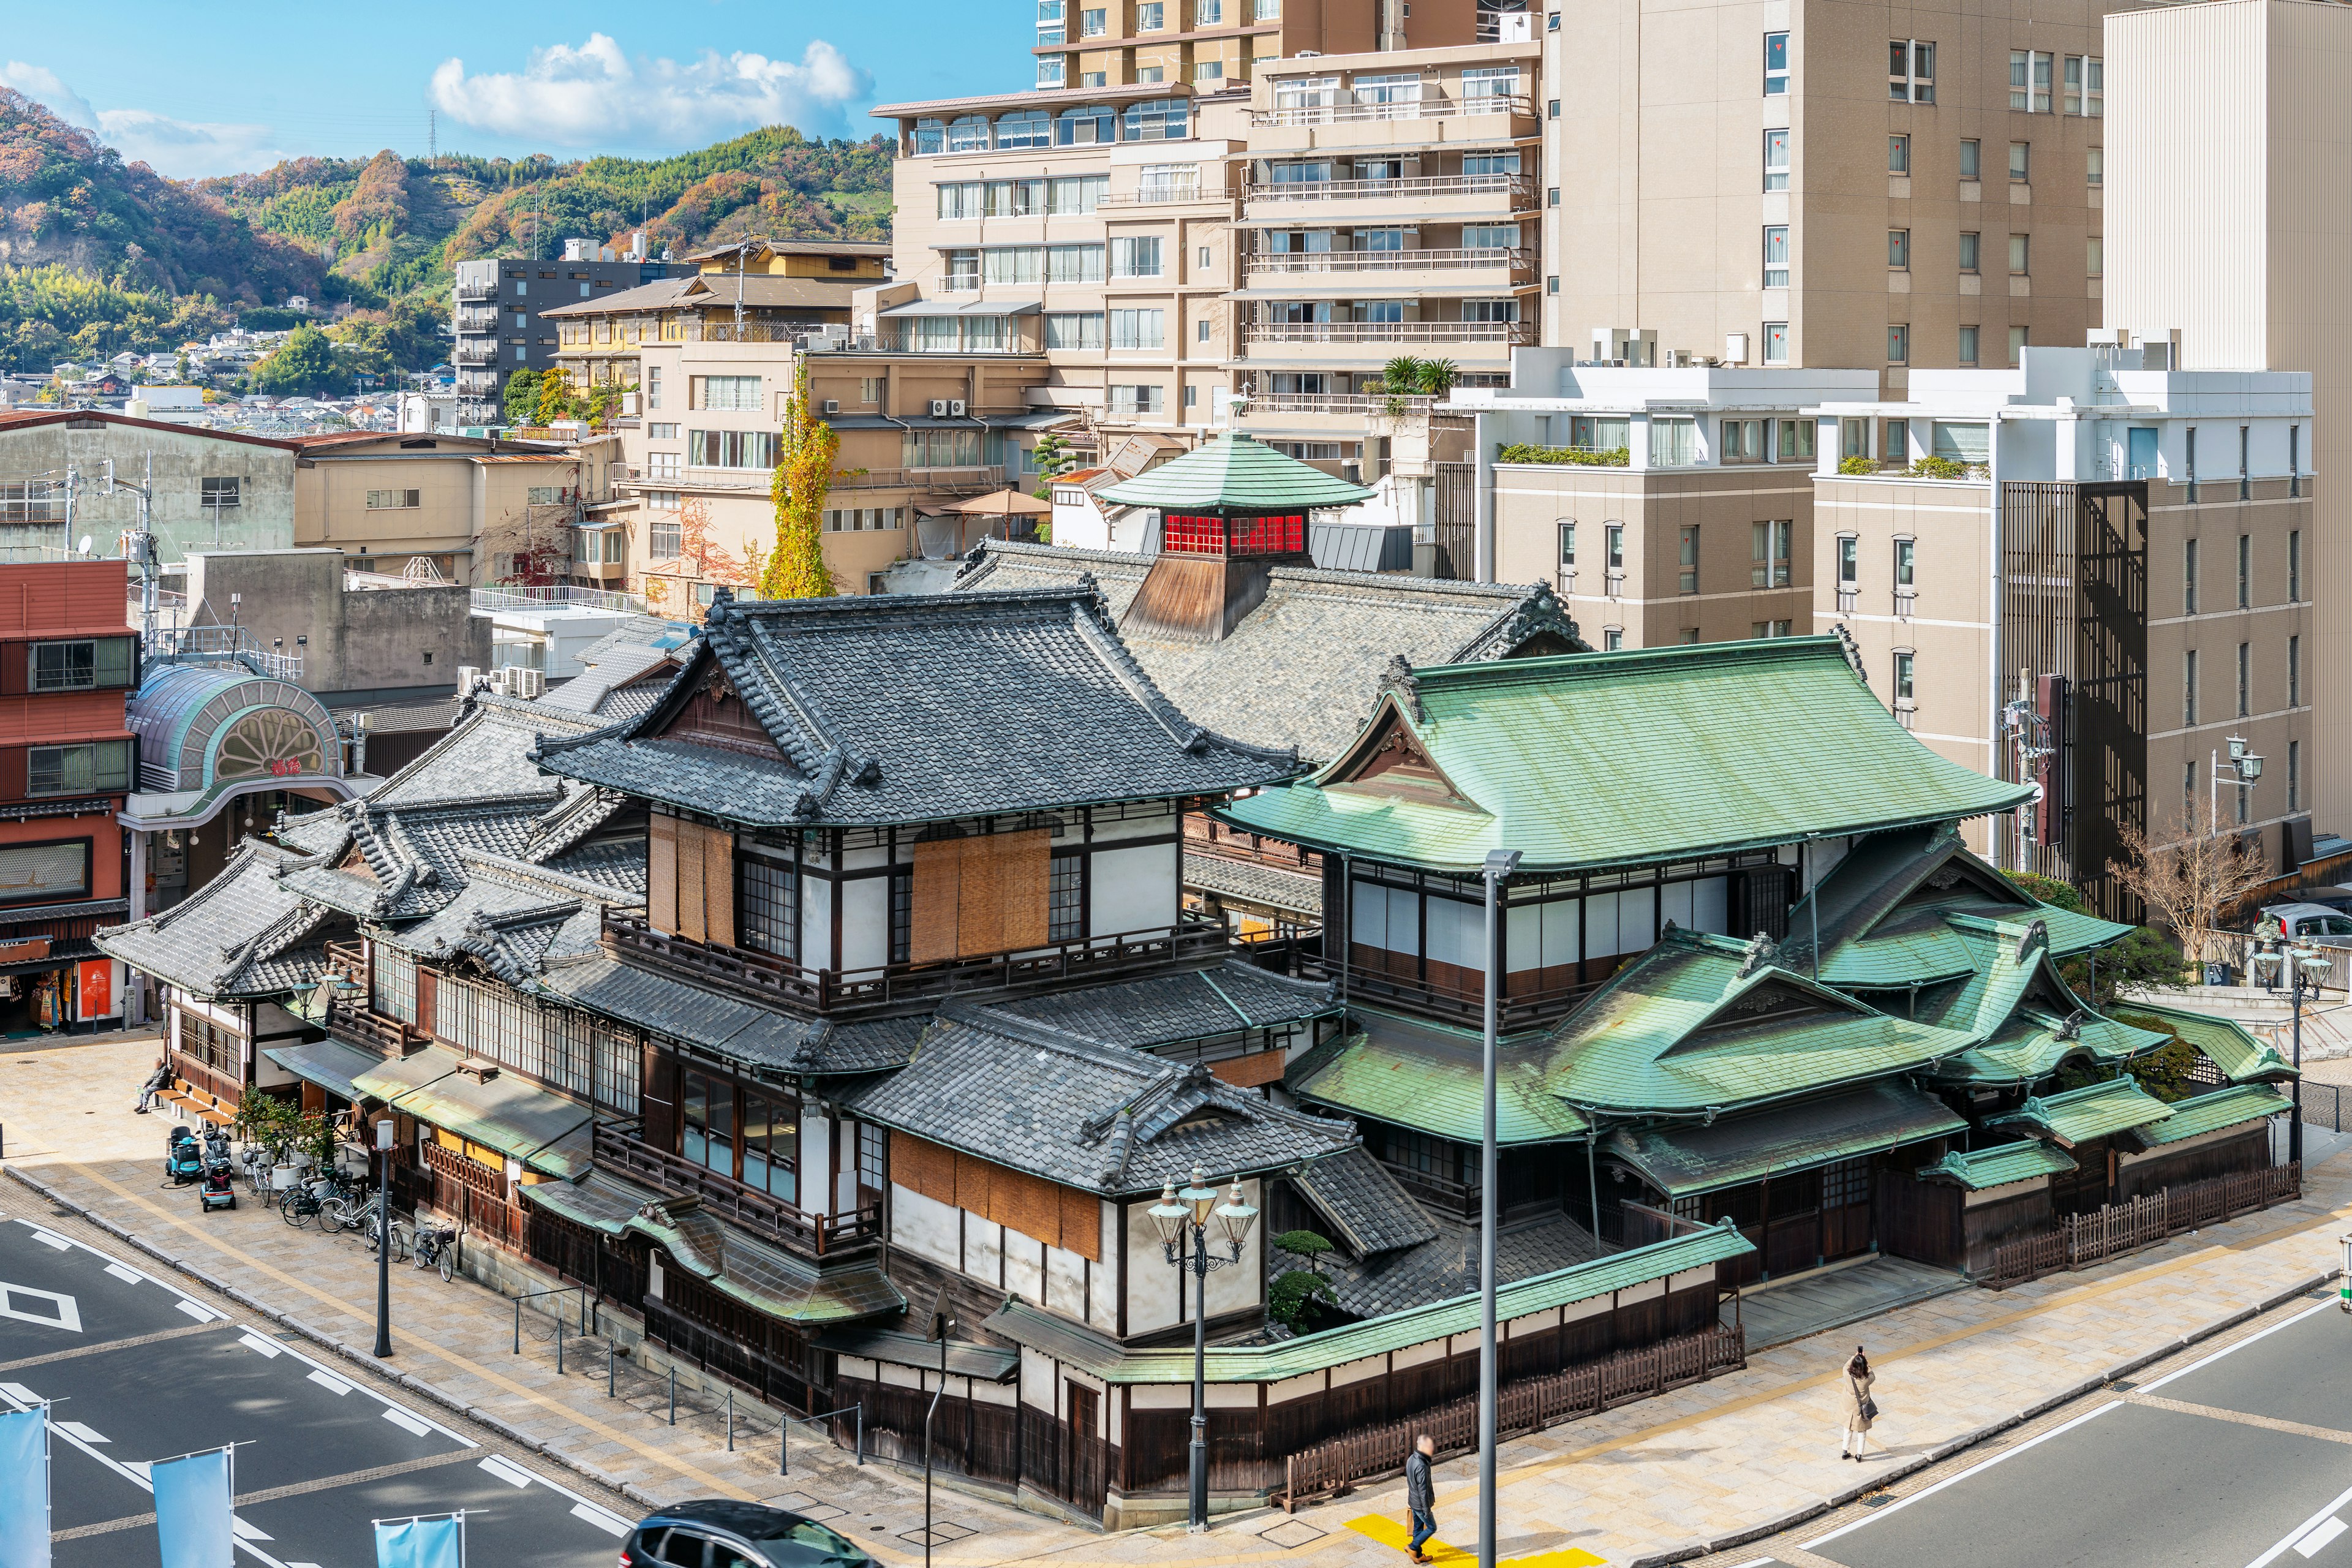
(2080, 1241)
(1527, 1405)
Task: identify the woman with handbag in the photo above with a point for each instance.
(1861, 1410)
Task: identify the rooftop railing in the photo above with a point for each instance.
(1390, 333)
(1519, 187)
(521, 599)
(1346, 111)
(1292, 263)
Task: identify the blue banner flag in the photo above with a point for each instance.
(193, 1509)
(25, 1490)
(421, 1542)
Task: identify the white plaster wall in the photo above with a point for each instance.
(1152, 1283)
(1024, 1270)
(1134, 889)
(866, 921)
(983, 1245)
(1359, 1371)
(1102, 1310)
(1065, 1282)
(1037, 1390)
(924, 1226)
(816, 924)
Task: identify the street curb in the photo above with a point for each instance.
(408, 1381)
(1945, 1450)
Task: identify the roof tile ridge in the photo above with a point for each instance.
(776, 691)
(988, 1019)
(512, 869)
(1092, 622)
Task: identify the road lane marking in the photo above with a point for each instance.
(2300, 1531)
(246, 1532)
(2240, 1417)
(127, 1275)
(88, 1434)
(48, 1239)
(76, 1352)
(2310, 1544)
(405, 1421)
(65, 1313)
(615, 1528)
(258, 1345)
(330, 1382)
(1899, 1506)
(2203, 1362)
(507, 1470)
(197, 1311)
(270, 1494)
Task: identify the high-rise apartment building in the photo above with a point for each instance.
(2231, 193)
(499, 301)
(1214, 45)
(1823, 183)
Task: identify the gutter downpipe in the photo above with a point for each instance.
(1483, 505)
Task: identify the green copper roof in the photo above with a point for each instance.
(1681, 1159)
(1622, 759)
(1984, 1168)
(1699, 1023)
(1104, 1358)
(2224, 1107)
(2026, 1019)
(1429, 1078)
(768, 1280)
(2242, 1058)
(499, 1112)
(1235, 473)
(2080, 1115)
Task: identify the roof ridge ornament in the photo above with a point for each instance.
(1397, 681)
(1852, 652)
(2036, 934)
(1762, 951)
(1540, 612)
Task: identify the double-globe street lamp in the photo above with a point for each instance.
(1187, 1215)
(2308, 969)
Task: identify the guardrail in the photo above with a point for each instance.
(1390, 333)
(555, 596)
(1519, 187)
(1290, 262)
(1164, 195)
(1355, 113)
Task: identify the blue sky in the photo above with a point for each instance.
(197, 87)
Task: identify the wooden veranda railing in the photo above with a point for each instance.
(1527, 1405)
(2080, 1241)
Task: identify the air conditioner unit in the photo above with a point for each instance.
(525, 682)
(833, 406)
(955, 407)
(938, 407)
(500, 683)
(466, 675)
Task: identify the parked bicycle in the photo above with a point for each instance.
(436, 1245)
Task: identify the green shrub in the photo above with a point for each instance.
(1295, 1295)
(1858, 465)
(1605, 457)
(1303, 1244)
(1939, 469)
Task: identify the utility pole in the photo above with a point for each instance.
(742, 253)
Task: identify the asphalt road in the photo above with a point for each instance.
(2229, 1481)
(135, 1371)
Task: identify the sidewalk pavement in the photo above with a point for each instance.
(1707, 1466)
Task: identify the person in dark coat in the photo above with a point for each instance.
(1420, 1495)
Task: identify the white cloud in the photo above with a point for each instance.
(596, 95)
(184, 149)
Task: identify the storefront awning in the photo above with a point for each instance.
(1685, 1158)
(331, 1063)
(1984, 1168)
(766, 1278)
(965, 1358)
(499, 1113)
(598, 1201)
(2080, 1115)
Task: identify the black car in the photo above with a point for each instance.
(716, 1533)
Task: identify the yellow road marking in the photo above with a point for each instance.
(1390, 1533)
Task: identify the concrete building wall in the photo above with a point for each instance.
(388, 642)
(42, 449)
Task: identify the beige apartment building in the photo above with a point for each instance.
(1120, 43)
(1823, 183)
(2231, 196)
(464, 506)
(2148, 604)
(1661, 505)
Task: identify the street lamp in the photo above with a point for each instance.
(384, 1239)
(1500, 864)
(1188, 1213)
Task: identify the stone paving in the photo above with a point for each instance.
(1709, 1464)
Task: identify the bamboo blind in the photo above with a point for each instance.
(690, 879)
(979, 896)
(939, 877)
(661, 872)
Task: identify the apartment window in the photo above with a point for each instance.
(1673, 443)
(1895, 440)
(1776, 345)
(1971, 159)
(2086, 81)
(1770, 544)
(1771, 628)
(732, 448)
(2189, 689)
(2028, 80)
(724, 394)
(1023, 127)
(1135, 256)
(1148, 74)
(2020, 162)
(1160, 120)
(2295, 672)
(1776, 255)
(2294, 460)
(2095, 257)
(1905, 689)
(1208, 12)
(1209, 71)
(653, 386)
(2245, 571)
(1970, 249)
(102, 767)
(2017, 340)
(2245, 679)
(1138, 329)
(1853, 437)
(1906, 567)
(1688, 559)
(1898, 249)
(1074, 329)
(2294, 775)
(1775, 160)
(1551, 196)
(1012, 264)
(1567, 555)
(1132, 402)
(85, 664)
(1612, 543)
(1796, 440)
(1093, 24)
(2190, 453)
(1200, 330)
(2245, 492)
(1613, 639)
(1898, 154)
(1968, 346)
(1849, 563)
(1911, 71)
(2189, 576)
(666, 538)
(664, 465)
(1150, 16)
(1074, 263)
(1776, 63)
(1266, 11)
(217, 495)
(2017, 254)
(2295, 566)
(1898, 344)
(2098, 167)
(393, 500)
(1095, 78)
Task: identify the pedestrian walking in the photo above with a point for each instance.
(1420, 1495)
(1861, 1410)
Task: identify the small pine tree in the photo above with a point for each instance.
(796, 568)
(1053, 458)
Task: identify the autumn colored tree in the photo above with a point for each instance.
(701, 559)
(797, 568)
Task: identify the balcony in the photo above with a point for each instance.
(615, 1147)
(1175, 195)
(477, 290)
(976, 481)
(477, 386)
(478, 320)
(350, 1020)
(1289, 404)
(521, 600)
(475, 353)
(1382, 266)
(1383, 334)
(693, 479)
(1360, 113)
(780, 981)
(1422, 199)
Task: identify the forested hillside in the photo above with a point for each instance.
(97, 256)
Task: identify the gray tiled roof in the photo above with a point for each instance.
(1369, 1214)
(513, 916)
(1302, 669)
(922, 708)
(1446, 1266)
(243, 933)
(1085, 1114)
(1165, 1009)
(723, 1027)
(486, 756)
(1252, 882)
(623, 670)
